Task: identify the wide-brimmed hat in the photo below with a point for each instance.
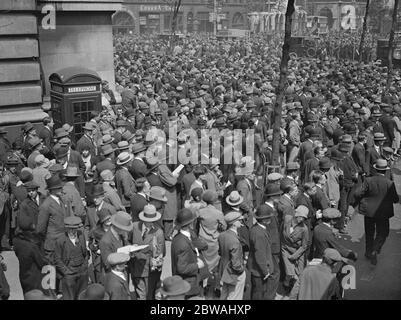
(94, 291)
(263, 212)
(149, 214)
(60, 133)
(88, 126)
(123, 145)
(324, 163)
(379, 136)
(72, 222)
(72, 172)
(28, 126)
(31, 185)
(184, 217)
(107, 149)
(122, 220)
(123, 158)
(234, 199)
(174, 286)
(381, 164)
(106, 140)
(158, 193)
(138, 147)
(54, 182)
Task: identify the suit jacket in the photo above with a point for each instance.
(310, 165)
(116, 287)
(46, 134)
(30, 209)
(260, 261)
(111, 196)
(304, 148)
(377, 196)
(372, 155)
(320, 200)
(184, 261)
(138, 202)
(51, 222)
(285, 206)
(72, 199)
(87, 142)
(359, 155)
(109, 244)
(323, 238)
(138, 168)
(126, 187)
(388, 124)
(140, 265)
(169, 183)
(231, 264)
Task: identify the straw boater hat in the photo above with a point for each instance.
(149, 214)
(234, 199)
(381, 164)
(123, 158)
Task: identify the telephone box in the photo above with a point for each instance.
(74, 93)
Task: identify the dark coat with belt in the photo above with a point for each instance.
(31, 261)
(184, 261)
(51, 222)
(260, 261)
(231, 264)
(377, 196)
(116, 287)
(323, 238)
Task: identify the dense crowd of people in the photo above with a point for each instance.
(102, 206)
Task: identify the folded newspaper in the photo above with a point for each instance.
(132, 248)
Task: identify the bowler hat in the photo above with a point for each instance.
(107, 149)
(98, 189)
(324, 163)
(28, 126)
(174, 286)
(379, 136)
(123, 145)
(31, 185)
(138, 147)
(62, 152)
(73, 222)
(264, 212)
(54, 182)
(158, 193)
(94, 291)
(149, 214)
(60, 133)
(88, 126)
(122, 220)
(234, 199)
(106, 140)
(184, 217)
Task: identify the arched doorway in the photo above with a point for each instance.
(326, 12)
(123, 22)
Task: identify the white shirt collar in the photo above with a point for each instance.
(269, 204)
(55, 198)
(119, 274)
(261, 225)
(186, 233)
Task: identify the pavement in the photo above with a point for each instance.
(380, 282)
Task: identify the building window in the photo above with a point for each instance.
(238, 20)
(123, 22)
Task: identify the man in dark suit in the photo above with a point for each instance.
(116, 237)
(320, 200)
(389, 125)
(29, 207)
(359, 155)
(108, 163)
(46, 134)
(139, 199)
(185, 259)
(51, 216)
(324, 237)
(116, 282)
(231, 265)
(87, 141)
(138, 168)
(375, 152)
(125, 183)
(377, 196)
(260, 262)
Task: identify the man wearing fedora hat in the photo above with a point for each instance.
(147, 264)
(36, 148)
(100, 205)
(71, 196)
(376, 198)
(260, 261)
(375, 152)
(125, 183)
(108, 163)
(71, 259)
(87, 140)
(110, 192)
(52, 211)
(231, 267)
(140, 199)
(116, 237)
(40, 173)
(185, 257)
(138, 168)
(29, 207)
(116, 282)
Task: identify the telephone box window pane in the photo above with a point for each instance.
(76, 107)
(90, 106)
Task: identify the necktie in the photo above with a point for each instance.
(145, 234)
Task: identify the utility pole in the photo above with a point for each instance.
(215, 18)
(391, 45)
